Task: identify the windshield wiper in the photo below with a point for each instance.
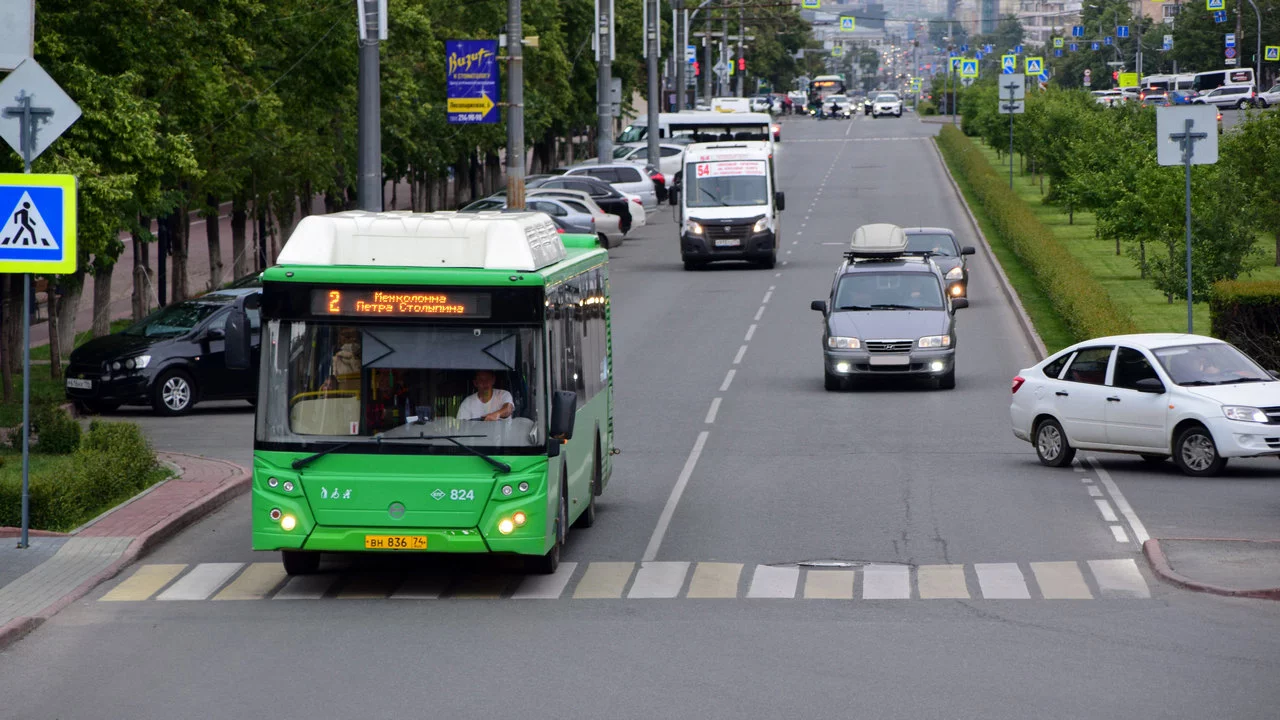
(853, 307)
(375, 440)
(1197, 383)
(1237, 381)
(711, 195)
(892, 306)
(454, 439)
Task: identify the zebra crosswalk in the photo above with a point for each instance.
(1058, 580)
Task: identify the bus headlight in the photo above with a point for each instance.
(506, 526)
(694, 227)
(761, 225)
(288, 522)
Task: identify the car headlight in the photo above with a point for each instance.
(1244, 413)
(117, 365)
(935, 341)
(694, 227)
(761, 225)
(955, 273)
(843, 343)
(137, 363)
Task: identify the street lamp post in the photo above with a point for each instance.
(1257, 58)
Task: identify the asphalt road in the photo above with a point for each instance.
(738, 463)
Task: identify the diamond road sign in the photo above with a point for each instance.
(54, 111)
(39, 227)
(1271, 52)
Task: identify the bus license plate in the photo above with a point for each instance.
(728, 242)
(395, 542)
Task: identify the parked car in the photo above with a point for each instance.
(609, 198)
(171, 360)
(627, 178)
(1196, 399)
(566, 217)
(1228, 96)
(1270, 97)
(670, 157)
(608, 224)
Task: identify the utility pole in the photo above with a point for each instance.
(653, 22)
(604, 81)
(515, 107)
(742, 74)
(678, 52)
(373, 27)
(707, 62)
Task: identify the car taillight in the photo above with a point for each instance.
(1017, 382)
(636, 201)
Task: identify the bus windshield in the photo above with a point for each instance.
(729, 183)
(416, 383)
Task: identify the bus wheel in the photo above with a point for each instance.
(300, 562)
(588, 516)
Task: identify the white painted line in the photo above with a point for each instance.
(1001, 581)
(655, 542)
(784, 262)
(773, 287)
(543, 587)
(1094, 491)
(1139, 530)
(774, 582)
(886, 582)
(1061, 581)
(201, 582)
(1119, 578)
(1108, 514)
(1077, 466)
(711, 413)
(941, 581)
(737, 359)
(767, 295)
(759, 313)
(795, 242)
(728, 378)
(1118, 531)
(1086, 481)
(659, 580)
(777, 274)
(834, 243)
(848, 130)
(306, 587)
(750, 331)
(788, 252)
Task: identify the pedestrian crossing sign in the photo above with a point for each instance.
(1215, 4)
(1271, 53)
(809, 4)
(1058, 42)
(847, 24)
(969, 68)
(39, 226)
(1035, 65)
(956, 62)
(1008, 64)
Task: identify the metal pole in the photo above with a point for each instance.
(515, 106)
(604, 77)
(742, 74)
(681, 31)
(369, 114)
(653, 23)
(27, 138)
(1257, 58)
(1186, 159)
(1011, 101)
(684, 67)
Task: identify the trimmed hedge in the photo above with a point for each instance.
(1081, 301)
(113, 463)
(1246, 313)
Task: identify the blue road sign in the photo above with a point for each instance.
(1044, 76)
(989, 48)
(471, 80)
(969, 68)
(38, 231)
(1077, 31)
(1057, 52)
(1122, 31)
(1230, 40)
(1107, 40)
(1017, 50)
(978, 55)
(1035, 66)
(1008, 64)
(964, 48)
(1220, 16)
(1093, 46)
(1073, 47)
(1215, 5)
(1271, 53)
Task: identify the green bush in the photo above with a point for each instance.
(57, 433)
(928, 108)
(1247, 315)
(113, 463)
(1081, 301)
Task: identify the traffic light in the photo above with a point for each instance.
(1115, 75)
(742, 64)
(696, 68)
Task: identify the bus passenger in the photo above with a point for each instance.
(487, 402)
(346, 361)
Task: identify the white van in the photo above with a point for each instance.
(729, 204)
(732, 104)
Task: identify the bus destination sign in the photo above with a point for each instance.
(400, 303)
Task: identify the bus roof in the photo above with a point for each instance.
(518, 241)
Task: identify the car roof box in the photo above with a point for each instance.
(878, 240)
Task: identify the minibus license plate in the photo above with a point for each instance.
(395, 542)
(728, 242)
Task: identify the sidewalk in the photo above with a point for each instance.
(57, 570)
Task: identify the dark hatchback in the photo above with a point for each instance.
(942, 246)
(170, 360)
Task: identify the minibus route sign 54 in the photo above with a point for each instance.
(730, 168)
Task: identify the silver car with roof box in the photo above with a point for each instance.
(888, 314)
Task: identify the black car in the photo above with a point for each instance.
(170, 360)
(942, 246)
(604, 194)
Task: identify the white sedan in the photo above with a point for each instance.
(1196, 399)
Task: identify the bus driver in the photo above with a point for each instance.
(487, 402)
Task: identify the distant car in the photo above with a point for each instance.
(1196, 399)
(1155, 100)
(1270, 97)
(1107, 97)
(1228, 96)
(670, 157)
(170, 360)
(627, 178)
(607, 224)
(887, 104)
(566, 217)
(605, 195)
(941, 246)
(1181, 97)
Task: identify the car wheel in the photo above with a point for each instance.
(1262, 103)
(300, 562)
(1195, 453)
(1052, 446)
(897, 114)
(173, 393)
(1242, 104)
(769, 262)
(947, 381)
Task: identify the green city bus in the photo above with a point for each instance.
(381, 334)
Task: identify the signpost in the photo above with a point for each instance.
(38, 234)
(1187, 135)
(471, 81)
(1088, 77)
(1013, 93)
(1168, 42)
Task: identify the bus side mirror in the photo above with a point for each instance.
(673, 196)
(238, 347)
(564, 409)
(780, 199)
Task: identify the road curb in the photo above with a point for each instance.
(17, 628)
(1160, 565)
(1024, 320)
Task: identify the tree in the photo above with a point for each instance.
(1252, 154)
